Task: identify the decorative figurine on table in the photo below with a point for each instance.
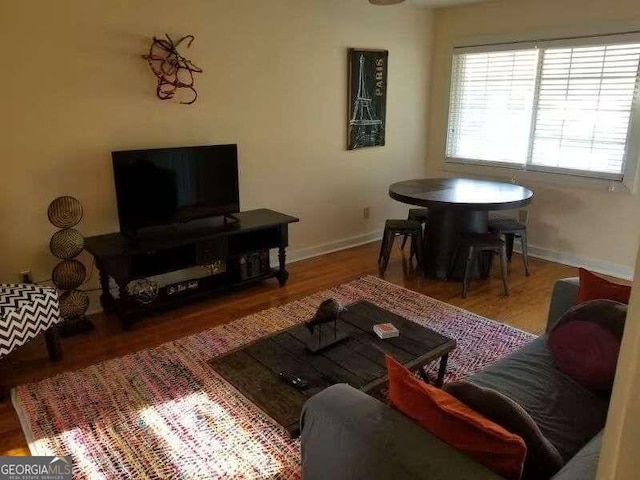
(328, 311)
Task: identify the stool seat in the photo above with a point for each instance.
(506, 225)
(419, 214)
(402, 225)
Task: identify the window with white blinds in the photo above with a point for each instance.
(562, 106)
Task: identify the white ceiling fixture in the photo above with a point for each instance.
(426, 3)
(385, 2)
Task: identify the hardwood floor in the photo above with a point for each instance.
(525, 308)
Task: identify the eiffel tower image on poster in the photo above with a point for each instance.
(366, 125)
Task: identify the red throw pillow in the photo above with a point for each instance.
(456, 424)
(587, 352)
(593, 287)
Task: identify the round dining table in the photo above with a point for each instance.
(456, 205)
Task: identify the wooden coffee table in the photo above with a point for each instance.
(359, 361)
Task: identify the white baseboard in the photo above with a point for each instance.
(598, 266)
(297, 254)
(615, 270)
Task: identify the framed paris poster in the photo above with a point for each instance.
(367, 98)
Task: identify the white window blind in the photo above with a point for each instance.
(490, 109)
(584, 107)
(563, 106)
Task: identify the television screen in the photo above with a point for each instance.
(173, 185)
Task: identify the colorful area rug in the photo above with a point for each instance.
(164, 413)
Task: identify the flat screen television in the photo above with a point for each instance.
(175, 185)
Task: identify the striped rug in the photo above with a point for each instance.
(164, 413)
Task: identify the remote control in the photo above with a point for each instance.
(294, 381)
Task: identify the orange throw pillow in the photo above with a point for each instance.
(593, 287)
(456, 424)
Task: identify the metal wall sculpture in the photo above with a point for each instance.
(172, 70)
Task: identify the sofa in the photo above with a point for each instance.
(346, 434)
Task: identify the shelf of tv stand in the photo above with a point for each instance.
(166, 302)
(167, 249)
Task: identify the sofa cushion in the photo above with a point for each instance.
(584, 465)
(455, 423)
(543, 459)
(567, 413)
(593, 287)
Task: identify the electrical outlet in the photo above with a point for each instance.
(366, 213)
(25, 276)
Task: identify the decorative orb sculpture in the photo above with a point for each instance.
(67, 243)
(143, 291)
(65, 212)
(69, 274)
(74, 304)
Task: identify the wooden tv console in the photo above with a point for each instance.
(241, 248)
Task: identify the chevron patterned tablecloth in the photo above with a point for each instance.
(25, 311)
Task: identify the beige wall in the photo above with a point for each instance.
(577, 223)
(74, 88)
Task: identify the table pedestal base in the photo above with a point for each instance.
(441, 239)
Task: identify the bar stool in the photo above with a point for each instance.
(419, 215)
(512, 229)
(475, 243)
(406, 228)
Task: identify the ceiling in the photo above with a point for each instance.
(442, 3)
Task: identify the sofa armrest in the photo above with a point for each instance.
(347, 434)
(562, 299)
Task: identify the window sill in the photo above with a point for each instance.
(516, 174)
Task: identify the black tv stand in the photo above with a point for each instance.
(235, 250)
(229, 219)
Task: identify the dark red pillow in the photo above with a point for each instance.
(455, 423)
(585, 342)
(593, 287)
(587, 352)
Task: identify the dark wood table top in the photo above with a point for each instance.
(359, 361)
(462, 193)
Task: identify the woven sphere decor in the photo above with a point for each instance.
(73, 304)
(69, 274)
(67, 243)
(65, 212)
(144, 290)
